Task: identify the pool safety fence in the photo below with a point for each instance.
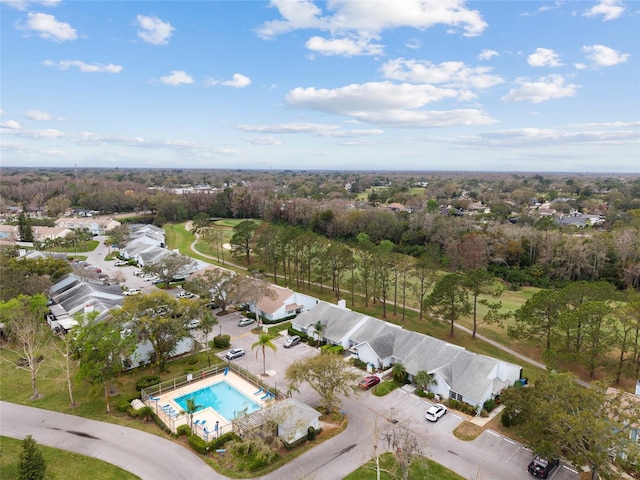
(173, 418)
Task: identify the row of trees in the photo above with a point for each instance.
(584, 322)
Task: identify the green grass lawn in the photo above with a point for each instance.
(232, 222)
(61, 464)
(420, 467)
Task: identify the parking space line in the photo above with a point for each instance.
(492, 433)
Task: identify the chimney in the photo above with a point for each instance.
(88, 308)
(343, 304)
(638, 388)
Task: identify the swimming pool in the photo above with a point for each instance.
(222, 397)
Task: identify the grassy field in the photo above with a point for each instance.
(420, 467)
(61, 464)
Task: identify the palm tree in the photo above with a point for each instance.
(423, 379)
(319, 327)
(399, 372)
(191, 409)
(264, 341)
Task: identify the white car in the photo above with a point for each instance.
(132, 291)
(435, 412)
(234, 353)
(121, 263)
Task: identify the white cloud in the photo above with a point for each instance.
(48, 27)
(25, 4)
(352, 24)
(237, 81)
(413, 44)
(487, 54)
(177, 77)
(609, 9)
(264, 140)
(38, 115)
(450, 74)
(546, 88)
(153, 30)
(347, 47)
(544, 57)
(604, 56)
(574, 134)
(10, 124)
(84, 67)
(385, 103)
(319, 129)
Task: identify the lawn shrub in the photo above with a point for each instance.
(359, 364)
(222, 341)
(311, 342)
(198, 444)
(123, 405)
(223, 439)
(183, 430)
(311, 433)
(338, 349)
(147, 381)
(431, 395)
(489, 405)
(421, 393)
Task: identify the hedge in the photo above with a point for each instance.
(147, 381)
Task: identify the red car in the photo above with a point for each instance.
(367, 382)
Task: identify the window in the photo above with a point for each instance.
(455, 396)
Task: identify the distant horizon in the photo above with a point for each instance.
(308, 170)
(341, 85)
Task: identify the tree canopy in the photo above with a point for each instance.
(328, 374)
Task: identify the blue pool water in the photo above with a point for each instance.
(222, 397)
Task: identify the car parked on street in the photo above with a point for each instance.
(541, 467)
(367, 382)
(185, 294)
(132, 291)
(244, 321)
(234, 353)
(121, 263)
(436, 412)
(291, 341)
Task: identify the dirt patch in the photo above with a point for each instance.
(467, 431)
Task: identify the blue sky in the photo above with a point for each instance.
(544, 86)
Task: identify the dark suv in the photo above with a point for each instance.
(541, 467)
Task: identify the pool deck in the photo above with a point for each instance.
(209, 416)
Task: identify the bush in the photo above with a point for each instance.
(489, 405)
(122, 405)
(421, 393)
(431, 395)
(359, 364)
(223, 439)
(311, 433)
(198, 444)
(183, 430)
(147, 381)
(338, 349)
(222, 341)
(312, 342)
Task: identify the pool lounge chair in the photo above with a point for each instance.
(259, 391)
(265, 396)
